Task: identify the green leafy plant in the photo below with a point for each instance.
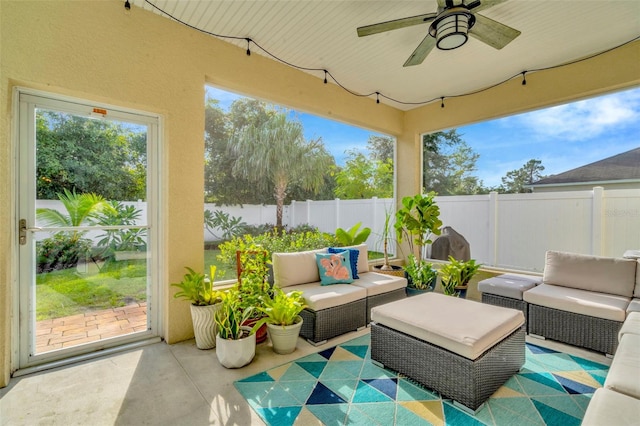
(116, 240)
(198, 288)
(416, 220)
(457, 274)
(283, 308)
(231, 315)
(230, 226)
(274, 241)
(352, 237)
(252, 287)
(421, 273)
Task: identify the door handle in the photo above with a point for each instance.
(22, 232)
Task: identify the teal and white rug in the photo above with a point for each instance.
(340, 386)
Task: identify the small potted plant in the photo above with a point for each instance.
(456, 276)
(282, 316)
(205, 301)
(253, 287)
(421, 276)
(235, 343)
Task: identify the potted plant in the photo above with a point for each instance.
(236, 344)
(416, 221)
(282, 316)
(387, 268)
(253, 287)
(421, 276)
(456, 276)
(205, 301)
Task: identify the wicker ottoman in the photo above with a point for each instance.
(506, 290)
(462, 349)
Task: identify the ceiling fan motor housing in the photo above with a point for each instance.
(451, 27)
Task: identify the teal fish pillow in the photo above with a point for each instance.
(334, 268)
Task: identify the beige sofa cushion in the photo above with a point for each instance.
(319, 297)
(509, 285)
(375, 283)
(591, 303)
(634, 306)
(611, 408)
(631, 325)
(295, 268)
(624, 373)
(462, 326)
(592, 273)
(636, 291)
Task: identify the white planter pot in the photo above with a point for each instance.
(236, 353)
(284, 338)
(204, 326)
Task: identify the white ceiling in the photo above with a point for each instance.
(322, 34)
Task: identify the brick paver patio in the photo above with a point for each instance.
(90, 327)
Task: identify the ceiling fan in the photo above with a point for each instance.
(454, 21)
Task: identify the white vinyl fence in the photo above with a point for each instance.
(509, 231)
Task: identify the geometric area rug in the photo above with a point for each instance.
(341, 386)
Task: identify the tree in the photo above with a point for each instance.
(222, 186)
(381, 147)
(90, 156)
(362, 177)
(514, 181)
(274, 155)
(448, 164)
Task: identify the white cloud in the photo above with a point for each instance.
(585, 119)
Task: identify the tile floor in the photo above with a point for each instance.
(158, 384)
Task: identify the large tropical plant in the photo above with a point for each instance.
(274, 155)
(80, 210)
(353, 236)
(416, 220)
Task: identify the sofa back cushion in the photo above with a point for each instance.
(363, 257)
(295, 268)
(592, 273)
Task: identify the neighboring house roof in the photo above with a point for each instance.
(621, 167)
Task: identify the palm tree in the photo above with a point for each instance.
(275, 155)
(80, 209)
(65, 248)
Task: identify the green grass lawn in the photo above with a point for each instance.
(69, 292)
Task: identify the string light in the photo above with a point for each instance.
(524, 78)
(127, 7)
(378, 94)
(325, 77)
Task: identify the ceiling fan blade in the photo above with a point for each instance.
(486, 4)
(492, 32)
(395, 24)
(421, 52)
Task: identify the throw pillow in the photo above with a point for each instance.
(353, 258)
(334, 268)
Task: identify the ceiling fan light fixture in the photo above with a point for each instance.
(451, 31)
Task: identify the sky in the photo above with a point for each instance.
(562, 137)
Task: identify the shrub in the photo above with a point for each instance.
(61, 251)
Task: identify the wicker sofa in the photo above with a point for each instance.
(618, 401)
(334, 309)
(583, 300)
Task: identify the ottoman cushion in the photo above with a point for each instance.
(509, 285)
(461, 326)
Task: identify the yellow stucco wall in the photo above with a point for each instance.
(92, 50)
